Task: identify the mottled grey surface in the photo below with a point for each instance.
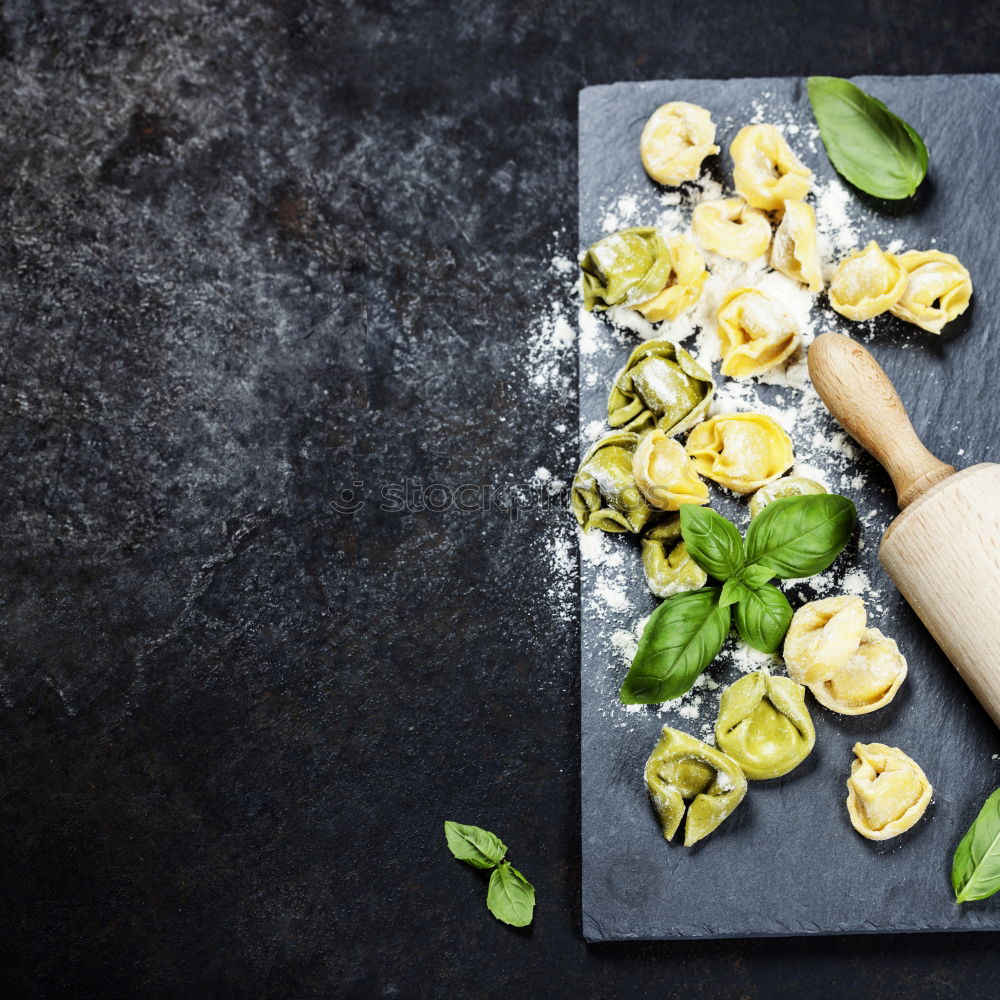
(788, 861)
(251, 253)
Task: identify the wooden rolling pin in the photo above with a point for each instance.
(943, 551)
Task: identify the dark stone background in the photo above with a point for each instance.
(250, 255)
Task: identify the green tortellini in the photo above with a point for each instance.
(764, 725)
(669, 568)
(604, 492)
(682, 770)
(660, 386)
(625, 269)
(790, 486)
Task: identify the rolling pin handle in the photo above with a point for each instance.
(860, 396)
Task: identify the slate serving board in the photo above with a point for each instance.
(788, 862)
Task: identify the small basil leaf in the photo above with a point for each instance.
(755, 576)
(763, 617)
(800, 536)
(712, 542)
(867, 144)
(682, 637)
(733, 590)
(975, 871)
(473, 845)
(510, 897)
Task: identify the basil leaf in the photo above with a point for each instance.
(682, 637)
(755, 576)
(800, 536)
(474, 845)
(975, 872)
(733, 590)
(867, 144)
(712, 542)
(510, 897)
(763, 617)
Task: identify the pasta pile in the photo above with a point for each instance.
(638, 477)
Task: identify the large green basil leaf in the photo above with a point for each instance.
(510, 896)
(800, 536)
(474, 845)
(975, 872)
(712, 542)
(681, 638)
(763, 617)
(867, 144)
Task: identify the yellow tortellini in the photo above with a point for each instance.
(866, 283)
(743, 451)
(849, 668)
(887, 791)
(665, 475)
(660, 386)
(668, 567)
(822, 638)
(682, 770)
(604, 494)
(731, 228)
(684, 285)
(624, 268)
(938, 288)
(765, 170)
(675, 141)
(756, 334)
(764, 725)
(794, 251)
(790, 486)
(868, 681)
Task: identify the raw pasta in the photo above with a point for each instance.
(756, 334)
(743, 451)
(868, 681)
(604, 494)
(665, 475)
(765, 170)
(938, 289)
(660, 386)
(624, 268)
(668, 567)
(731, 228)
(790, 486)
(887, 791)
(684, 285)
(675, 141)
(866, 283)
(764, 725)
(794, 251)
(822, 638)
(682, 770)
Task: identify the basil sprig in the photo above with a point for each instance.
(792, 537)
(867, 144)
(975, 871)
(510, 896)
